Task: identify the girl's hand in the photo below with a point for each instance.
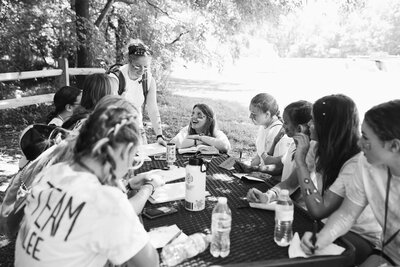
(241, 167)
(255, 195)
(161, 141)
(307, 245)
(302, 145)
(155, 179)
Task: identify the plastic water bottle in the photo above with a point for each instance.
(177, 252)
(220, 229)
(283, 219)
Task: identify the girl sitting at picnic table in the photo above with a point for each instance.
(76, 214)
(202, 129)
(335, 127)
(375, 183)
(272, 143)
(65, 101)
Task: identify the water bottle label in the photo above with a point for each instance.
(286, 215)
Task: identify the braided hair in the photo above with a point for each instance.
(105, 127)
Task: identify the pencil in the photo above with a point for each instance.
(314, 235)
(174, 237)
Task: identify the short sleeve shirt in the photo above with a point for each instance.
(366, 225)
(369, 187)
(73, 220)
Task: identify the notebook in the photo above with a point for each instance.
(160, 236)
(151, 149)
(253, 177)
(174, 173)
(202, 149)
(228, 164)
(169, 192)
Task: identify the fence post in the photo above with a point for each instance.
(64, 77)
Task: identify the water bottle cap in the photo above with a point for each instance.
(195, 161)
(222, 200)
(284, 192)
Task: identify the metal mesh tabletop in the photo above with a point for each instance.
(252, 233)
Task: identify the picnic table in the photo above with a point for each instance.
(252, 232)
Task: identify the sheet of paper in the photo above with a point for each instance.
(160, 236)
(296, 251)
(248, 177)
(174, 173)
(264, 206)
(228, 164)
(169, 192)
(151, 149)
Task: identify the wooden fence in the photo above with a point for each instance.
(63, 74)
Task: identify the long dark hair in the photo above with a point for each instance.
(336, 124)
(94, 88)
(384, 120)
(209, 126)
(299, 112)
(66, 95)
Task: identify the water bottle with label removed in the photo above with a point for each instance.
(221, 221)
(283, 219)
(177, 252)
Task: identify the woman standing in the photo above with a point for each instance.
(140, 87)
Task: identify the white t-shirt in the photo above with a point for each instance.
(366, 225)
(265, 139)
(73, 220)
(369, 187)
(184, 132)
(134, 92)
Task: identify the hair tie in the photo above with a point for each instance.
(100, 143)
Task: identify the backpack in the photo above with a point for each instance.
(34, 140)
(114, 69)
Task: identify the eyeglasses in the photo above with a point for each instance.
(139, 67)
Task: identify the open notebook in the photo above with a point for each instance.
(169, 192)
(174, 173)
(202, 149)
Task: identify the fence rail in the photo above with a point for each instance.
(63, 73)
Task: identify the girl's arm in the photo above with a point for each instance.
(317, 205)
(154, 114)
(220, 141)
(182, 140)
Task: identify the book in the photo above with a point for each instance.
(169, 192)
(174, 173)
(161, 236)
(253, 177)
(151, 149)
(202, 149)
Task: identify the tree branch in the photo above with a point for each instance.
(178, 38)
(103, 13)
(157, 8)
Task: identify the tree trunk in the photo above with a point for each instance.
(83, 52)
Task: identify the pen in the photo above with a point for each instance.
(314, 235)
(174, 237)
(240, 155)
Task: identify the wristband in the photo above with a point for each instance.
(153, 189)
(160, 135)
